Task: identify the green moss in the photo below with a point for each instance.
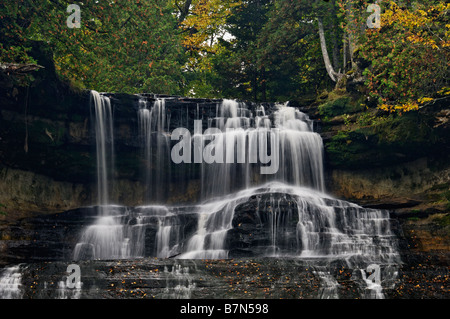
(334, 108)
(371, 140)
(339, 102)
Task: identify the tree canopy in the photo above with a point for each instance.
(262, 50)
(128, 46)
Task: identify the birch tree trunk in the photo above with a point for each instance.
(326, 57)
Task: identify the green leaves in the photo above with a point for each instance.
(408, 61)
(113, 48)
(253, 49)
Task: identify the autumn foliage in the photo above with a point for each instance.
(409, 56)
(250, 49)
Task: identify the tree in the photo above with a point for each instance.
(410, 56)
(202, 26)
(128, 47)
(270, 51)
(245, 25)
(289, 51)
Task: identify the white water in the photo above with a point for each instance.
(104, 134)
(10, 283)
(327, 229)
(116, 236)
(300, 150)
(154, 122)
(109, 237)
(179, 282)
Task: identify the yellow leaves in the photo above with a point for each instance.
(424, 100)
(444, 91)
(404, 17)
(385, 107)
(407, 107)
(400, 108)
(423, 13)
(416, 23)
(424, 41)
(204, 25)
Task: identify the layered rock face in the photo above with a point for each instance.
(47, 146)
(48, 159)
(57, 172)
(413, 184)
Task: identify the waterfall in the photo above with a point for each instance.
(325, 228)
(299, 144)
(154, 124)
(109, 237)
(10, 283)
(290, 209)
(104, 136)
(120, 235)
(234, 132)
(300, 150)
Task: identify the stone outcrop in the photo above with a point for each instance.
(399, 187)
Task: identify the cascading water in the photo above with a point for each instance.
(10, 283)
(104, 137)
(297, 218)
(237, 139)
(116, 236)
(110, 237)
(154, 124)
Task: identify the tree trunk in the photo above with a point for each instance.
(335, 52)
(326, 57)
(263, 84)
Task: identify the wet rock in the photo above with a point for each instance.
(266, 224)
